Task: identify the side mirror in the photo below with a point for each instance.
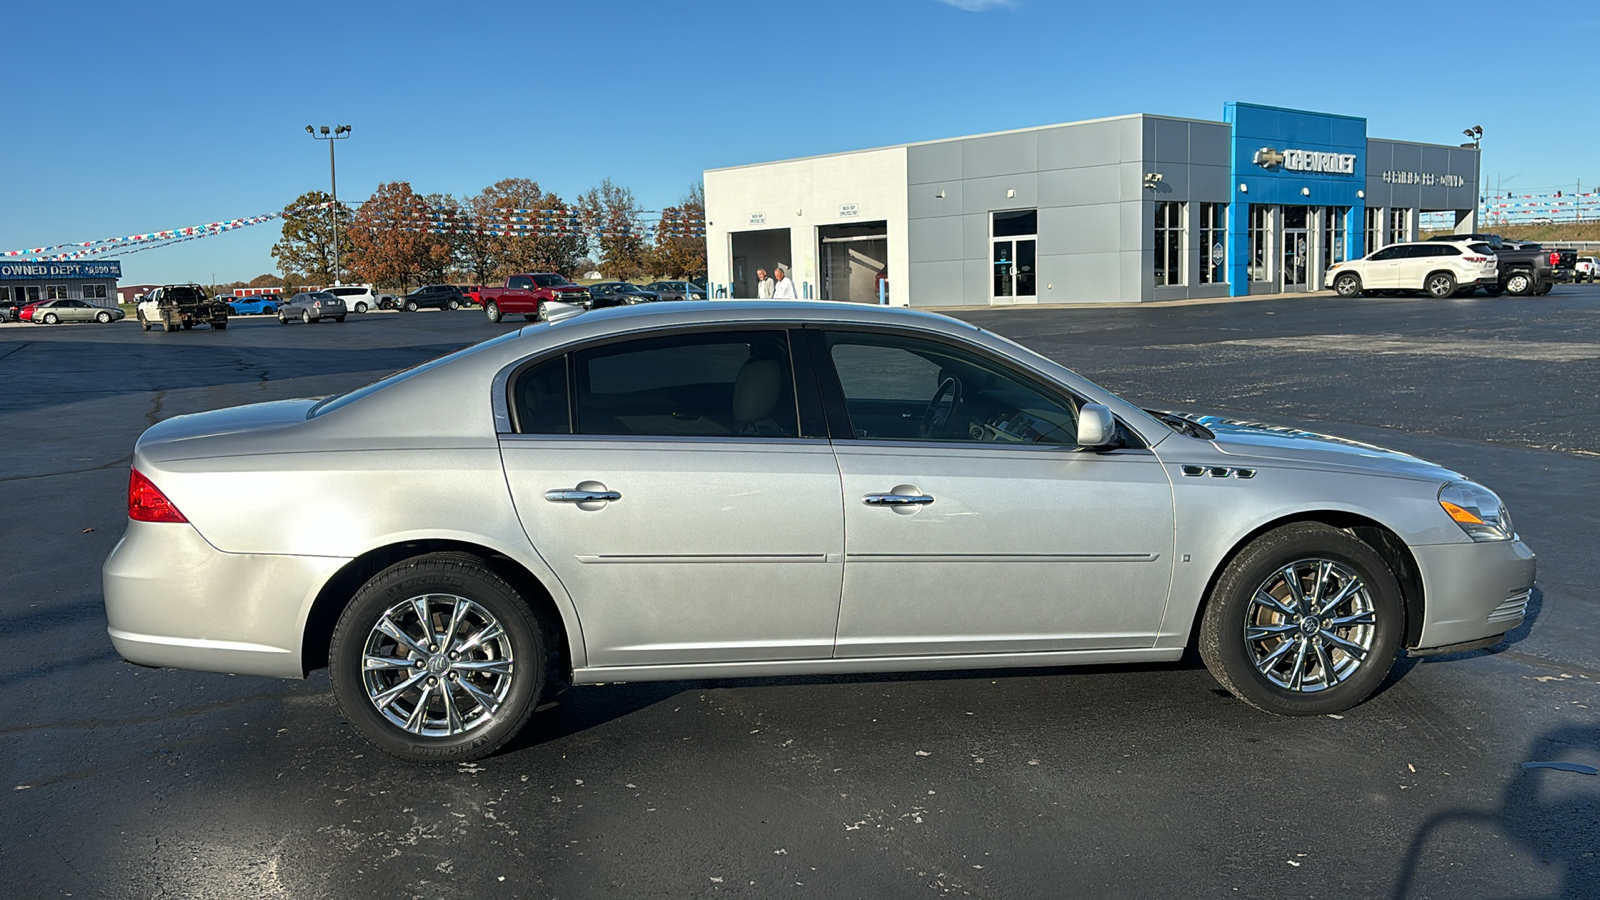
(1096, 426)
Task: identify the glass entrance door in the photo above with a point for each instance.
(1296, 248)
(1015, 250)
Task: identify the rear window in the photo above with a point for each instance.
(333, 403)
(1481, 248)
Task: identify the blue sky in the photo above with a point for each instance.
(133, 117)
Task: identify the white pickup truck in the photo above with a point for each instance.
(184, 306)
(1586, 269)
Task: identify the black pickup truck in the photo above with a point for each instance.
(184, 306)
(1525, 267)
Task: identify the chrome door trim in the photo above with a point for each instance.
(1000, 557)
(656, 559)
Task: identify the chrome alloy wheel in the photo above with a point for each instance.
(437, 665)
(1310, 625)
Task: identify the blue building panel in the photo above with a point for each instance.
(22, 270)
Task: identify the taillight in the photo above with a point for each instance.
(1476, 258)
(1555, 260)
(146, 503)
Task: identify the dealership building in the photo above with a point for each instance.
(23, 281)
(1131, 208)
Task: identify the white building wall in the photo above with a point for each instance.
(802, 195)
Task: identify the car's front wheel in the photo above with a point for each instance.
(1440, 285)
(438, 659)
(411, 306)
(1306, 620)
(492, 310)
(1348, 284)
(103, 318)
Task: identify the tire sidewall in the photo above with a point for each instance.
(436, 575)
(1222, 643)
(1347, 285)
(1441, 279)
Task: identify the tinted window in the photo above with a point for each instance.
(1481, 248)
(541, 399)
(548, 280)
(519, 282)
(900, 388)
(717, 384)
(1008, 224)
(1385, 253)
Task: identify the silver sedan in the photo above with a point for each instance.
(698, 490)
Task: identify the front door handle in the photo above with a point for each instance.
(897, 499)
(579, 495)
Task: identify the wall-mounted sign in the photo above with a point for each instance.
(23, 270)
(758, 218)
(848, 209)
(1426, 179)
(1306, 161)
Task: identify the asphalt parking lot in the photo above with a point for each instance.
(1117, 781)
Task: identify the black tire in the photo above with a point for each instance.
(339, 319)
(453, 305)
(1232, 606)
(283, 318)
(103, 318)
(143, 323)
(488, 726)
(305, 317)
(1544, 288)
(492, 310)
(51, 318)
(1519, 284)
(1440, 285)
(1494, 290)
(361, 308)
(411, 306)
(219, 326)
(1348, 284)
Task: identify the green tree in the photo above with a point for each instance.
(305, 251)
(680, 250)
(618, 235)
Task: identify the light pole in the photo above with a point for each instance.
(1480, 207)
(337, 133)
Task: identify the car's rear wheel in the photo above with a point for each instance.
(492, 310)
(1306, 620)
(453, 305)
(1494, 290)
(1519, 284)
(305, 316)
(438, 659)
(1440, 285)
(1347, 285)
(51, 319)
(339, 319)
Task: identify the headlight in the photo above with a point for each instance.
(1477, 510)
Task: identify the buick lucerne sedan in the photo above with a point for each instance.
(717, 489)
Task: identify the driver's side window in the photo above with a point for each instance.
(902, 388)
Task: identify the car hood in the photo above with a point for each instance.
(1280, 443)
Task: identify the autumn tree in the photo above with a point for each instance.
(438, 251)
(304, 252)
(388, 239)
(618, 235)
(540, 238)
(680, 250)
(267, 280)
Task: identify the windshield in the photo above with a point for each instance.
(549, 280)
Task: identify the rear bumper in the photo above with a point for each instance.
(1473, 590)
(174, 600)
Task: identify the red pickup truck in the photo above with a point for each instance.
(526, 295)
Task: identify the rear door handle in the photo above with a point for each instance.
(573, 495)
(897, 499)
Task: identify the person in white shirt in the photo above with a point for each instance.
(784, 288)
(763, 285)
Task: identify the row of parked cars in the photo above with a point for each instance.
(549, 286)
(1454, 265)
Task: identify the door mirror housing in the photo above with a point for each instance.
(1097, 428)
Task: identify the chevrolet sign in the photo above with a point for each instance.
(1306, 161)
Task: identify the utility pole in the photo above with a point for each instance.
(337, 133)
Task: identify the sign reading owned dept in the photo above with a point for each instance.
(1306, 161)
(18, 271)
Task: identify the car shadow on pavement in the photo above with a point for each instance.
(1546, 813)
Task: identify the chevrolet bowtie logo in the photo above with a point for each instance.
(1268, 158)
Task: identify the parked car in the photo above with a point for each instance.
(11, 307)
(526, 294)
(313, 306)
(679, 491)
(388, 301)
(472, 293)
(1586, 269)
(181, 306)
(433, 296)
(1440, 269)
(52, 312)
(676, 290)
(1525, 267)
(619, 293)
(25, 314)
(358, 298)
(259, 305)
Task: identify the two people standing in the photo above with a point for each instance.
(780, 289)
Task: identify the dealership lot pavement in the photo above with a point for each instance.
(128, 782)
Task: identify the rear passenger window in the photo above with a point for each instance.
(720, 384)
(542, 400)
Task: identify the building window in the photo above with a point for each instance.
(1213, 243)
(1374, 228)
(1169, 242)
(1398, 220)
(55, 292)
(1260, 229)
(94, 292)
(1333, 235)
(1014, 243)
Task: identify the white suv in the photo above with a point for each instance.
(358, 298)
(1440, 268)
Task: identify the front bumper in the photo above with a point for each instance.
(1473, 590)
(174, 600)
